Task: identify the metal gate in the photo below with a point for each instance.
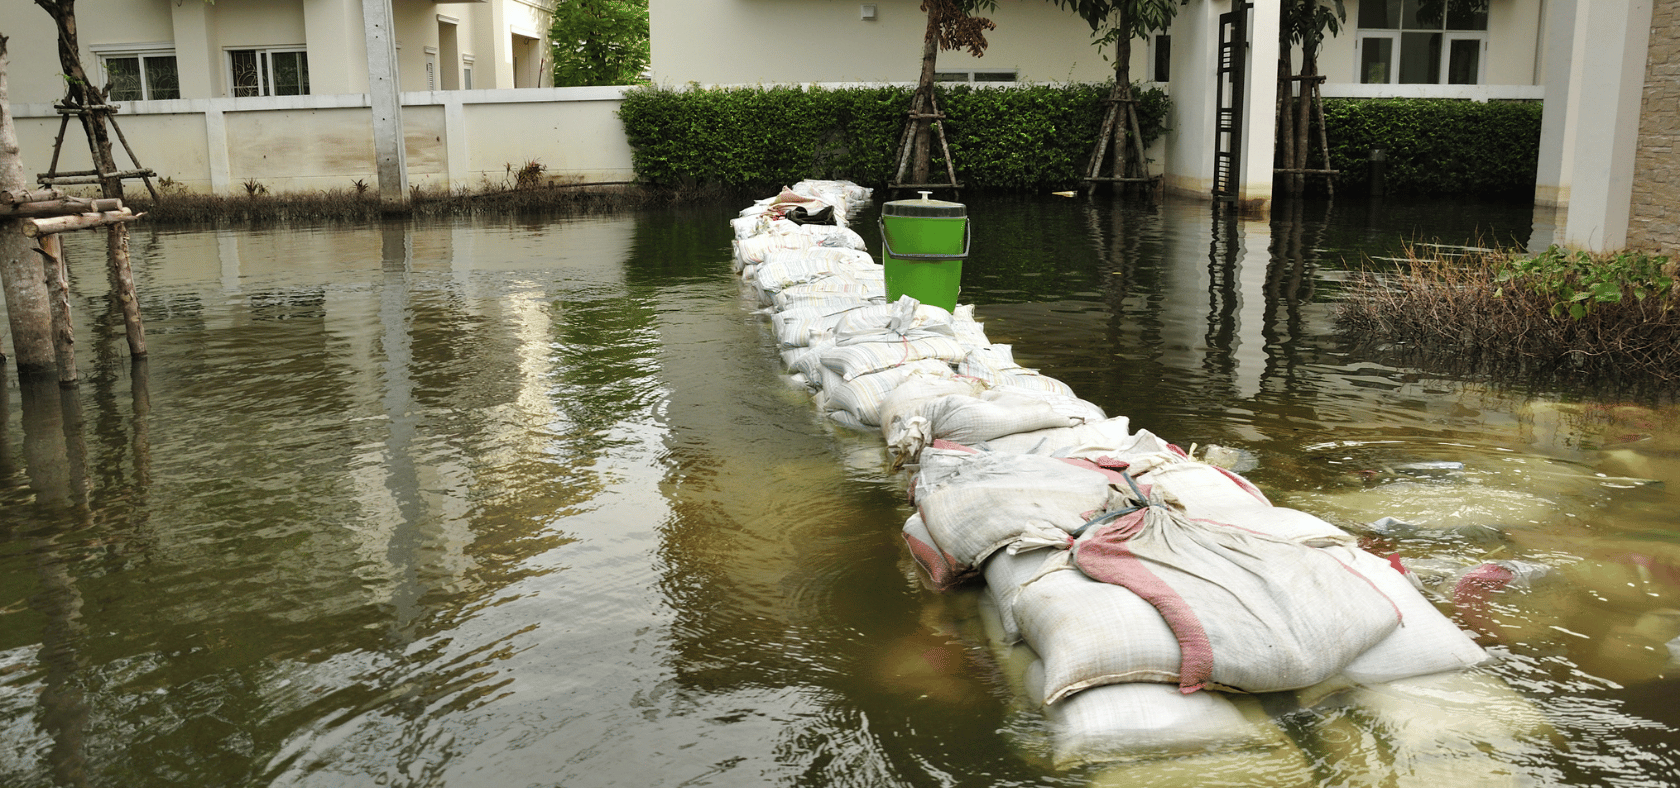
(1232, 78)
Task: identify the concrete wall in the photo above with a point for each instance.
(454, 139)
(1655, 220)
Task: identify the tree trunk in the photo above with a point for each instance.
(922, 102)
(20, 267)
(1123, 90)
(1285, 147)
(1303, 109)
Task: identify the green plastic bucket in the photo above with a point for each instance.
(923, 243)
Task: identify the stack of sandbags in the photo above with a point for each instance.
(1124, 579)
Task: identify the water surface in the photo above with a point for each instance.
(529, 502)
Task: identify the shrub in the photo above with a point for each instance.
(1012, 138)
(1436, 146)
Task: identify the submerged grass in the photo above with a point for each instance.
(1592, 321)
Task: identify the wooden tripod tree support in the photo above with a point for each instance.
(1295, 157)
(94, 113)
(43, 215)
(1119, 128)
(924, 118)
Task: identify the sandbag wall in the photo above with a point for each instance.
(1135, 594)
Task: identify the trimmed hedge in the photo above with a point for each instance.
(1003, 138)
(1436, 146)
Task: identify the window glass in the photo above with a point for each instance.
(124, 76)
(291, 74)
(246, 78)
(162, 80)
(1376, 59)
(1421, 15)
(994, 76)
(1379, 14)
(1462, 15)
(1163, 57)
(1420, 58)
(1464, 61)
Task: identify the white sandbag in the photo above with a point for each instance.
(987, 362)
(862, 396)
(866, 357)
(904, 401)
(829, 288)
(748, 226)
(1031, 380)
(968, 419)
(783, 269)
(1252, 612)
(753, 250)
(942, 570)
(808, 321)
(1129, 721)
(834, 236)
(1463, 728)
(975, 504)
(1090, 634)
(1281, 764)
(968, 331)
(807, 361)
(1110, 437)
(905, 317)
(1006, 574)
(849, 421)
(1426, 642)
(1206, 491)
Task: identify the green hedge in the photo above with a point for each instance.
(1002, 138)
(1436, 146)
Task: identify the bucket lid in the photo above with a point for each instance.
(924, 207)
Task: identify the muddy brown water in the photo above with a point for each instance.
(528, 502)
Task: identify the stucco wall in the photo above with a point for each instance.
(454, 139)
(1655, 220)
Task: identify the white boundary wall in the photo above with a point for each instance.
(454, 139)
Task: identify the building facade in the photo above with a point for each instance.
(156, 50)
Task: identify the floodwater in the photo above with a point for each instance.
(498, 502)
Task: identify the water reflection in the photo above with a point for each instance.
(529, 502)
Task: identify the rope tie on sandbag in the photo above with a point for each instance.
(1115, 514)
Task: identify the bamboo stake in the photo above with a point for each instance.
(51, 248)
(12, 196)
(68, 206)
(35, 228)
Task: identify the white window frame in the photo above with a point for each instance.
(105, 52)
(1394, 34)
(265, 67)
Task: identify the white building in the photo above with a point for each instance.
(174, 49)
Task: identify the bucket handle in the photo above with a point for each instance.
(886, 244)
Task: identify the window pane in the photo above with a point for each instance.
(466, 79)
(290, 77)
(1379, 14)
(950, 76)
(1421, 15)
(246, 81)
(1163, 57)
(1376, 59)
(994, 76)
(1464, 61)
(162, 81)
(1420, 58)
(1462, 15)
(124, 73)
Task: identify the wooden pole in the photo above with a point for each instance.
(93, 110)
(122, 283)
(20, 270)
(35, 228)
(58, 289)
